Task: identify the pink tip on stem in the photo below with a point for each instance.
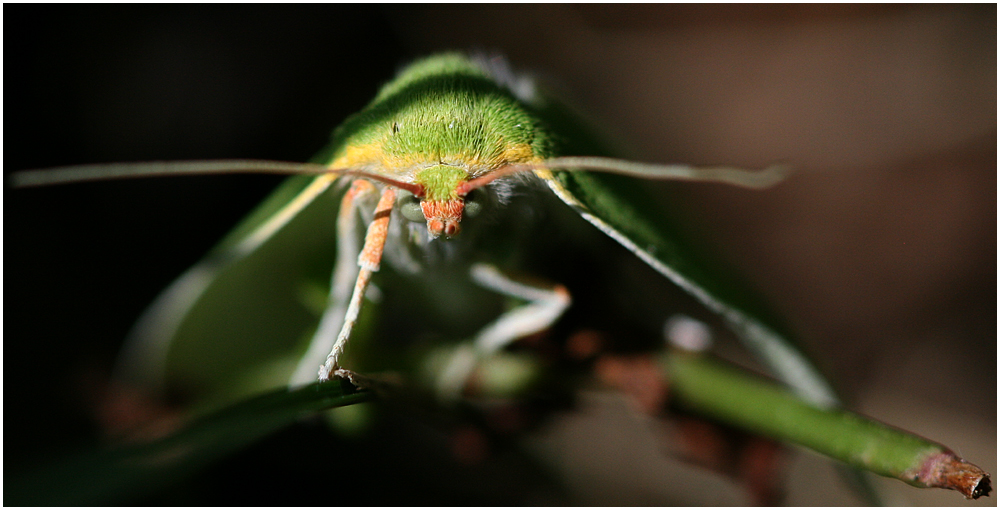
(947, 471)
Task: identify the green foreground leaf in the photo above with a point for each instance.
(733, 396)
(115, 475)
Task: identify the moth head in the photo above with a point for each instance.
(446, 195)
(442, 199)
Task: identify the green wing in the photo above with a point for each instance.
(620, 208)
(236, 322)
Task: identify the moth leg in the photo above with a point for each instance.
(545, 306)
(361, 194)
(368, 260)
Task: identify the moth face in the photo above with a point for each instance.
(443, 217)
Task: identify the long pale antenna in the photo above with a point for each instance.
(729, 175)
(104, 171)
(723, 174)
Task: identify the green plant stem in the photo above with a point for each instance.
(736, 397)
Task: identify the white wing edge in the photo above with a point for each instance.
(143, 359)
(789, 365)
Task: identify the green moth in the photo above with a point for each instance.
(416, 181)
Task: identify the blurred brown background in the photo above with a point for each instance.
(880, 250)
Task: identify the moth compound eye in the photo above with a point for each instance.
(409, 207)
(475, 201)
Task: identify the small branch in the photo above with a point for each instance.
(752, 403)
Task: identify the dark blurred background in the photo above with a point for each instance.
(880, 251)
